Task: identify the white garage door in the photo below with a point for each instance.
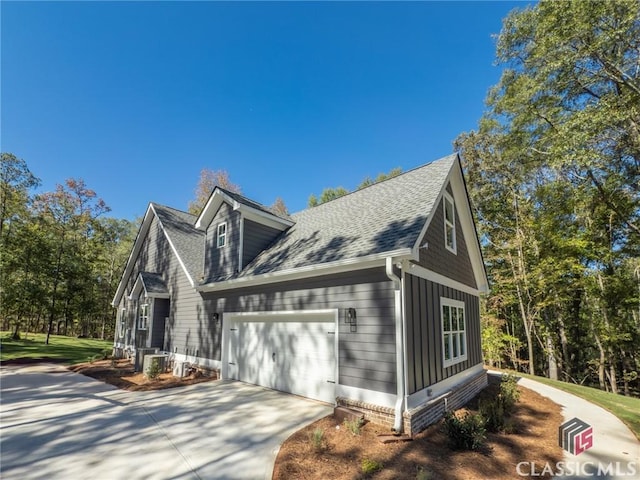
(292, 352)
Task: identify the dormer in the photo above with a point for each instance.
(237, 230)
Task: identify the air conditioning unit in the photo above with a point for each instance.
(180, 369)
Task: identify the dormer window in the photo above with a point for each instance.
(449, 223)
(222, 235)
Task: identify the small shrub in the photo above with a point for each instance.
(509, 392)
(424, 474)
(369, 466)
(317, 439)
(154, 371)
(466, 432)
(354, 426)
(492, 409)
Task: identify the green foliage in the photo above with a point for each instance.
(424, 474)
(317, 440)
(153, 371)
(553, 173)
(354, 426)
(466, 432)
(329, 194)
(509, 393)
(492, 410)
(369, 466)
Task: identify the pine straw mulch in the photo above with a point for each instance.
(120, 374)
(535, 423)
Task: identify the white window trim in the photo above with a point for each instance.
(222, 236)
(139, 316)
(448, 198)
(444, 301)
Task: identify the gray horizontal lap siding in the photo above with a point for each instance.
(366, 357)
(437, 258)
(424, 332)
(257, 238)
(222, 262)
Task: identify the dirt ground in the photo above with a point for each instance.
(427, 456)
(121, 375)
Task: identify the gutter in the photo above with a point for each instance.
(400, 386)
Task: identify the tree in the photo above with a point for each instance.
(329, 194)
(554, 176)
(209, 179)
(280, 208)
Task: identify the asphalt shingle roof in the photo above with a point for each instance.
(153, 283)
(384, 217)
(250, 203)
(187, 239)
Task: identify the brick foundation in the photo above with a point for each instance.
(419, 418)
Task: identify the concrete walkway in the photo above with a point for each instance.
(56, 424)
(616, 451)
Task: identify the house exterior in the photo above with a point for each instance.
(369, 301)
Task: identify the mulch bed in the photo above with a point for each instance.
(535, 421)
(120, 374)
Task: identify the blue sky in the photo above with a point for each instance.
(136, 98)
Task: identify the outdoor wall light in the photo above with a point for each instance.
(351, 319)
(216, 317)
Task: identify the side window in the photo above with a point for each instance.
(222, 235)
(454, 331)
(143, 316)
(123, 321)
(449, 222)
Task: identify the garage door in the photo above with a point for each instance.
(293, 352)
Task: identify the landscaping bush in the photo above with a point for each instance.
(369, 466)
(154, 371)
(492, 410)
(317, 440)
(509, 392)
(354, 426)
(466, 432)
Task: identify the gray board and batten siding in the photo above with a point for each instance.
(424, 332)
(437, 258)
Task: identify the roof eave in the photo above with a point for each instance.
(309, 271)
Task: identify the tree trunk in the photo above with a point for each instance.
(551, 354)
(601, 379)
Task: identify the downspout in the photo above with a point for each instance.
(400, 387)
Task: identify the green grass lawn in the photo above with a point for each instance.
(626, 409)
(66, 350)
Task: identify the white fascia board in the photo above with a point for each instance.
(263, 218)
(351, 264)
(137, 245)
(211, 208)
(175, 252)
(432, 276)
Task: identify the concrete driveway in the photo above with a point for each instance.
(56, 424)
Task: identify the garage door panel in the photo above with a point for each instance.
(293, 353)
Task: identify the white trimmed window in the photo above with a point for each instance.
(454, 331)
(143, 316)
(449, 222)
(123, 320)
(222, 235)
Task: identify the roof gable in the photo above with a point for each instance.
(250, 209)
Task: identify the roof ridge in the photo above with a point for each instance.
(156, 204)
(375, 184)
